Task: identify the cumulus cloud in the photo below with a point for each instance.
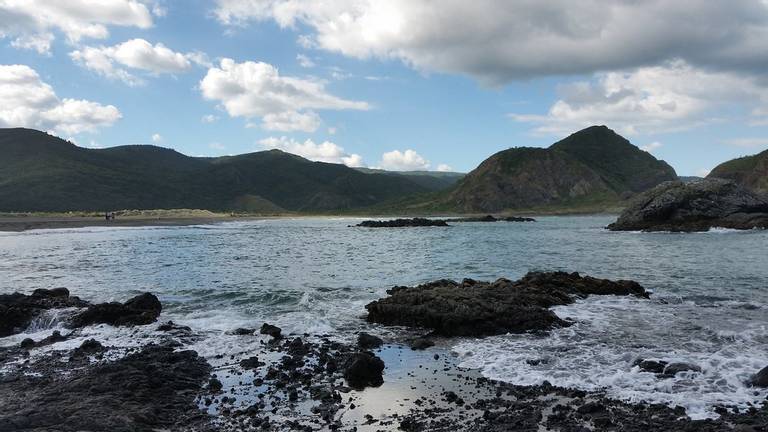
(29, 102)
(304, 61)
(408, 160)
(291, 121)
(136, 54)
(323, 152)
(498, 41)
(31, 23)
(444, 168)
(673, 96)
(256, 89)
(157, 138)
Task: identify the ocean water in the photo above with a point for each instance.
(709, 305)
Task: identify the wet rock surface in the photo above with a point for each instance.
(140, 310)
(145, 391)
(403, 223)
(18, 310)
(695, 206)
(760, 379)
(473, 308)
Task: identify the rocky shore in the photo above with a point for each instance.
(491, 218)
(695, 206)
(310, 382)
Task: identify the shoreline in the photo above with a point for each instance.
(22, 223)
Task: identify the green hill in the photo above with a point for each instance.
(750, 171)
(590, 168)
(39, 172)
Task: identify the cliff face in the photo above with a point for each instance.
(750, 172)
(594, 165)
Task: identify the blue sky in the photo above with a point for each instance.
(397, 84)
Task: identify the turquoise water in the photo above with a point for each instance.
(709, 307)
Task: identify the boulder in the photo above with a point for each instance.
(18, 310)
(402, 223)
(140, 310)
(473, 308)
(363, 370)
(654, 366)
(694, 206)
(271, 330)
(760, 379)
(673, 369)
(367, 341)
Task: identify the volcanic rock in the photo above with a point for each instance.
(363, 370)
(18, 310)
(695, 206)
(400, 223)
(367, 341)
(473, 308)
(140, 310)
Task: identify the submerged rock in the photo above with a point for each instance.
(673, 369)
(473, 308)
(140, 310)
(695, 206)
(400, 223)
(519, 219)
(18, 310)
(363, 370)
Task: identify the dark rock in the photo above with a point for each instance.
(251, 363)
(367, 341)
(590, 408)
(88, 347)
(153, 389)
(401, 223)
(270, 330)
(695, 206)
(18, 310)
(214, 385)
(673, 369)
(486, 218)
(172, 327)
(481, 308)
(243, 331)
(760, 379)
(653, 366)
(140, 310)
(363, 370)
(421, 343)
(27, 343)
(519, 219)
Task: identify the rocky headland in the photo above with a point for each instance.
(694, 206)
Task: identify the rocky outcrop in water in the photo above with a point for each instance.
(491, 218)
(473, 308)
(403, 223)
(140, 310)
(18, 310)
(153, 389)
(760, 379)
(695, 206)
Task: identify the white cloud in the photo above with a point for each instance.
(498, 41)
(209, 118)
(136, 54)
(31, 23)
(408, 160)
(748, 142)
(332, 130)
(304, 61)
(322, 152)
(256, 89)
(650, 147)
(29, 102)
(674, 96)
(217, 146)
(444, 168)
(288, 121)
(157, 138)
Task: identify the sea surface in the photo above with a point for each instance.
(709, 305)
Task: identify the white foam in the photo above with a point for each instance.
(598, 353)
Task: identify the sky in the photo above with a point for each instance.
(395, 84)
